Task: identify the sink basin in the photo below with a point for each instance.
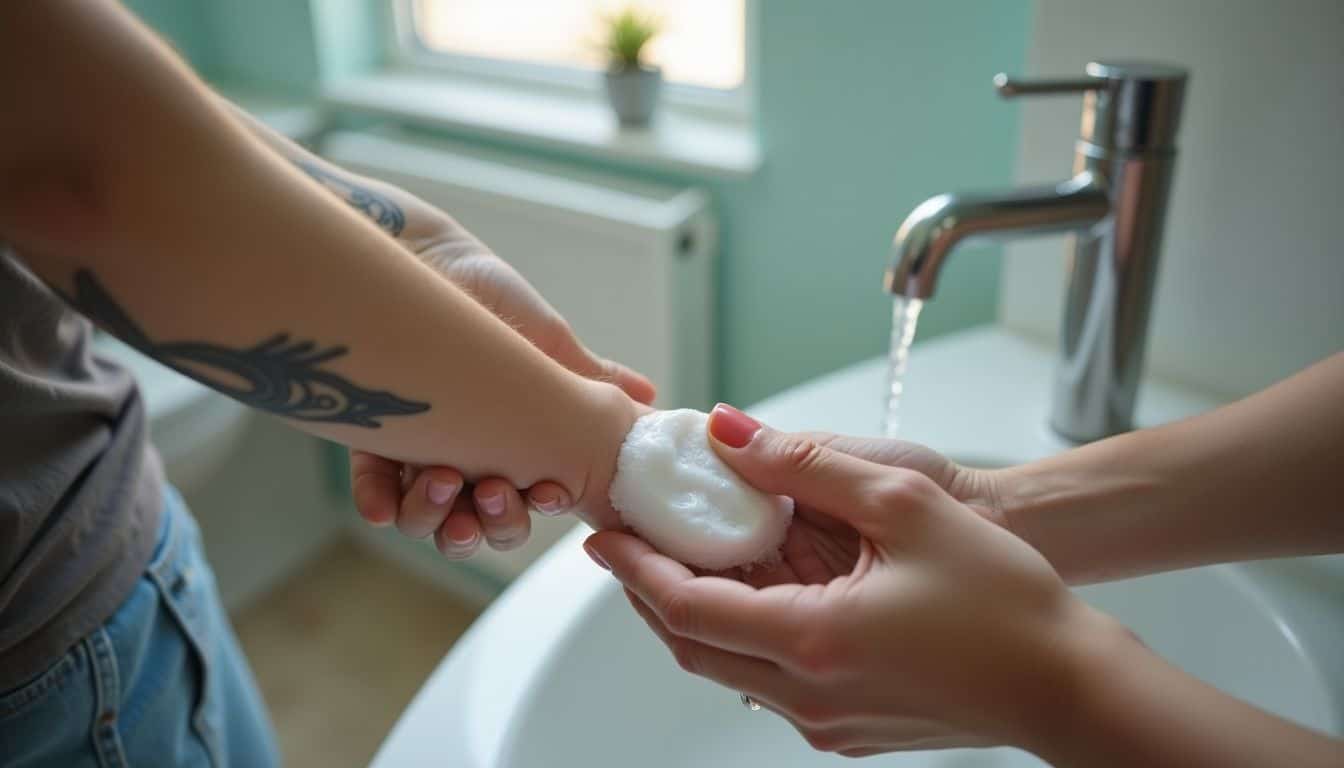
(560, 671)
(609, 673)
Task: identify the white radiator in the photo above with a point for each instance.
(629, 264)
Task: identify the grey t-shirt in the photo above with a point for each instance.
(80, 486)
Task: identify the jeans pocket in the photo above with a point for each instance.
(217, 705)
(46, 721)
(33, 694)
(186, 591)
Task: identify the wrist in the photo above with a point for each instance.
(610, 414)
(1087, 654)
(1088, 511)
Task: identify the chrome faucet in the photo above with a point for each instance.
(1114, 207)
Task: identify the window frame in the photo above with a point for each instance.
(407, 51)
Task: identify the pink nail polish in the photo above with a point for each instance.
(439, 493)
(732, 427)
(491, 505)
(551, 507)
(467, 541)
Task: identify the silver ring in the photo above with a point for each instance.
(750, 703)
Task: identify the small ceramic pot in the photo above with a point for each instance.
(633, 93)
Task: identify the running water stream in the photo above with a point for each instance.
(904, 318)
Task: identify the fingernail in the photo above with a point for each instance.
(471, 539)
(732, 427)
(492, 505)
(555, 505)
(439, 492)
(596, 557)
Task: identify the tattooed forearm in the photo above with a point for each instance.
(377, 206)
(276, 375)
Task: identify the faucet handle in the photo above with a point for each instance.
(1129, 105)
(1007, 87)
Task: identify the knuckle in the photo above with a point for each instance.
(820, 740)
(812, 714)
(678, 613)
(687, 658)
(368, 490)
(905, 487)
(801, 455)
(817, 653)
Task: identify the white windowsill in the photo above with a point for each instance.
(578, 123)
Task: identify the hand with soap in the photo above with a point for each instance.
(913, 622)
(905, 615)
(430, 501)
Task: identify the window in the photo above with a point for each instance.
(702, 49)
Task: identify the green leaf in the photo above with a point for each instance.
(627, 32)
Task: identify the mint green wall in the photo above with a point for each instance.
(866, 107)
(264, 42)
(183, 22)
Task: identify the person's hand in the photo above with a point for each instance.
(919, 623)
(819, 547)
(424, 501)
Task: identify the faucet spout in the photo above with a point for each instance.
(932, 230)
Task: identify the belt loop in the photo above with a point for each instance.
(107, 695)
(162, 566)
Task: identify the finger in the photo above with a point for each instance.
(428, 501)
(503, 516)
(796, 466)
(863, 752)
(409, 474)
(727, 614)
(633, 383)
(759, 678)
(761, 577)
(375, 486)
(460, 535)
(548, 498)
(575, 356)
(892, 453)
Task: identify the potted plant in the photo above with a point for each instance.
(632, 85)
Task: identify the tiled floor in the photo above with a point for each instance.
(340, 649)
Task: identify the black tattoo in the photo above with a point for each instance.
(277, 375)
(377, 206)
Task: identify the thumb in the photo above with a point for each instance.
(795, 465)
(579, 359)
(633, 383)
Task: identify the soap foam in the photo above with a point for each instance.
(677, 494)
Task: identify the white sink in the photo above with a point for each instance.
(560, 672)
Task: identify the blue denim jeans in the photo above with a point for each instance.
(161, 683)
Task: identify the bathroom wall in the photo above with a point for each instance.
(865, 108)
(1251, 286)
(181, 22)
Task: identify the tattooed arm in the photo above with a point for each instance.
(386, 491)
(131, 190)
